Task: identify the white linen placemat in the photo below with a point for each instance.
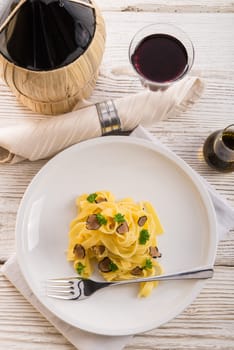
(88, 341)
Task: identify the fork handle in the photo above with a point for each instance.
(199, 273)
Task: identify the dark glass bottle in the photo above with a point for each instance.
(218, 149)
(46, 34)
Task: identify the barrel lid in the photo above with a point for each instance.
(46, 34)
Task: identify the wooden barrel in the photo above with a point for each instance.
(58, 90)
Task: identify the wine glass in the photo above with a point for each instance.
(161, 54)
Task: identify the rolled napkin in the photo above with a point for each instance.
(35, 139)
(85, 340)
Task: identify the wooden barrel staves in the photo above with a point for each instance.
(53, 62)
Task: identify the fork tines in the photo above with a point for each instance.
(61, 289)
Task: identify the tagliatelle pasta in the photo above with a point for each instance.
(119, 235)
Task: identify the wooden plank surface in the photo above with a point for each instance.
(209, 321)
(167, 6)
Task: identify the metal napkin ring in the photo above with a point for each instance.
(108, 117)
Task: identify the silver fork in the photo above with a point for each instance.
(76, 288)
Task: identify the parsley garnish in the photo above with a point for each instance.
(119, 218)
(148, 264)
(101, 219)
(80, 268)
(144, 236)
(113, 266)
(91, 198)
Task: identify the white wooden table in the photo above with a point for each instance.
(209, 321)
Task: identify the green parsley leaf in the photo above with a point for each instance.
(144, 236)
(91, 198)
(119, 218)
(113, 266)
(80, 268)
(101, 219)
(148, 264)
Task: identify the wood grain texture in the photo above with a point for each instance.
(208, 323)
(162, 6)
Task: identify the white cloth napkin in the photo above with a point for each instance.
(39, 137)
(84, 340)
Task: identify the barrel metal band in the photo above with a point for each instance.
(108, 117)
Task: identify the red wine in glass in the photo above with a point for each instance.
(160, 58)
(161, 54)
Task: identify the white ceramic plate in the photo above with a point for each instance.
(128, 167)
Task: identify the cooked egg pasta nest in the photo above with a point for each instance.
(129, 252)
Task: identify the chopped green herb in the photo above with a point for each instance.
(91, 198)
(119, 218)
(148, 264)
(101, 219)
(80, 268)
(144, 236)
(113, 266)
